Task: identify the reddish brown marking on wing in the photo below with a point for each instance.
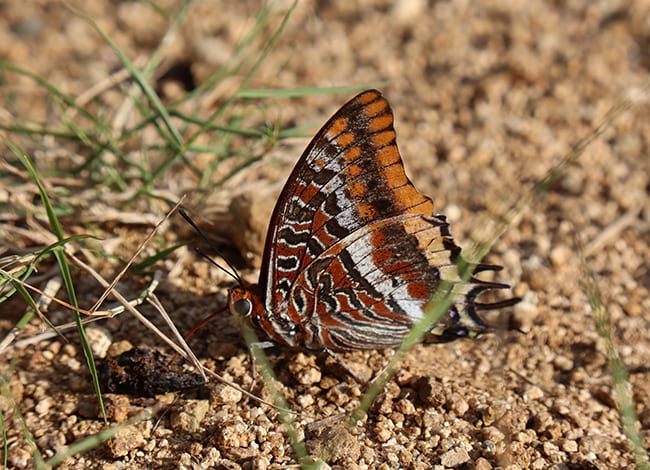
(378, 238)
(345, 139)
(383, 138)
(368, 96)
(387, 156)
(366, 211)
(357, 189)
(394, 175)
(351, 154)
(376, 107)
(320, 219)
(419, 290)
(352, 171)
(381, 122)
(338, 126)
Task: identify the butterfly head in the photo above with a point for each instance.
(243, 302)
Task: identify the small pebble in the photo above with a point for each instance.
(189, 415)
(99, 339)
(126, 440)
(223, 394)
(454, 457)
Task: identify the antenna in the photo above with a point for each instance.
(233, 271)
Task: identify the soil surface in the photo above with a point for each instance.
(487, 97)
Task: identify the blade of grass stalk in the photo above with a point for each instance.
(154, 61)
(171, 136)
(216, 127)
(32, 308)
(64, 268)
(191, 357)
(135, 255)
(24, 130)
(28, 436)
(229, 68)
(271, 383)
(5, 445)
(303, 91)
(248, 77)
(293, 132)
(95, 440)
(52, 90)
(621, 384)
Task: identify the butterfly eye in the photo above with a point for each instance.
(242, 307)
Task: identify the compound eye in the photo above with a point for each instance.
(242, 307)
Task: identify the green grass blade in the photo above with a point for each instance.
(228, 104)
(31, 304)
(40, 132)
(302, 91)
(54, 91)
(162, 254)
(172, 136)
(28, 436)
(5, 444)
(63, 267)
(96, 440)
(272, 384)
(232, 67)
(620, 378)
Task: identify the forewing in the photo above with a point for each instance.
(349, 177)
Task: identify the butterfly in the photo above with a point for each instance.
(353, 251)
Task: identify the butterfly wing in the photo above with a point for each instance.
(341, 183)
(353, 250)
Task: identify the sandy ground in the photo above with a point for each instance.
(487, 96)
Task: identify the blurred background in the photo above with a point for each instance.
(125, 107)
